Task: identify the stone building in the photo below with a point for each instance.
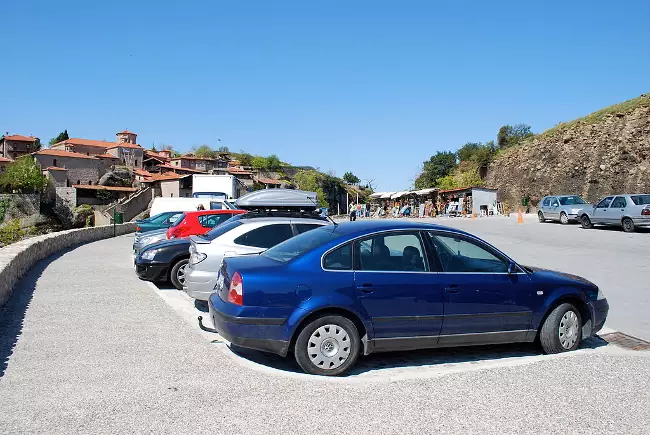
(16, 145)
(66, 169)
(4, 162)
(196, 163)
(124, 149)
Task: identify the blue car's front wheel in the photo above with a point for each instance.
(327, 346)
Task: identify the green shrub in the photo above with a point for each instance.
(5, 203)
(11, 232)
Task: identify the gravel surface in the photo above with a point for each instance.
(98, 351)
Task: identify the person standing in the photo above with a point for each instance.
(353, 213)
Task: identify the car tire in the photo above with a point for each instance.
(177, 274)
(540, 216)
(328, 346)
(564, 219)
(562, 330)
(628, 225)
(586, 222)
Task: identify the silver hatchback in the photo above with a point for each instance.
(561, 208)
(627, 211)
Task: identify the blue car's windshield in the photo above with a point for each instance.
(295, 246)
(571, 200)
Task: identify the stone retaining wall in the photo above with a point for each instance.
(16, 259)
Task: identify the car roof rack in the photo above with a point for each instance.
(253, 214)
(269, 200)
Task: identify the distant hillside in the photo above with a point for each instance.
(605, 152)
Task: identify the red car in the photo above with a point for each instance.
(195, 223)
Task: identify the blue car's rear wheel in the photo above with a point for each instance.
(327, 346)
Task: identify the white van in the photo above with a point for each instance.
(163, 204)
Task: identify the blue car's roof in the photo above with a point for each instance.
(359, 228)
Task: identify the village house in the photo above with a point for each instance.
(65, 168)
(124, 149)
(4, 162)
(16, 145)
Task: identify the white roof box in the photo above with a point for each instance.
(278, 199)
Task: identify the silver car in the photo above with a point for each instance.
(561, 208)
(627, 211)
(245, 234)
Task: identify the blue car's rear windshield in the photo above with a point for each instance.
(298, 245)
(571, 200)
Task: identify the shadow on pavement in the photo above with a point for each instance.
(12, 314)
(416, 358)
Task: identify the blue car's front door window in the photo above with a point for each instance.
(479, 295)
(394, 287)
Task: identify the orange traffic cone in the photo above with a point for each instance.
(520, 218)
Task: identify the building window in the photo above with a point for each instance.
(53, 162)
(90, 183)
(67, 183)
(136, 163)
(78, 181)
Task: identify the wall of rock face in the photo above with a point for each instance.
(593, 160)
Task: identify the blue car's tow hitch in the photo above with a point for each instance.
(206, 328)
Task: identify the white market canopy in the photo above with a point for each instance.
(377, 194)
(425, 191)
(386, 195)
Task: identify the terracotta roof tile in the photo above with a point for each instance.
(142, 172)
(61, 153)
(21, 138)
(162, 177)
(126, 132)
(268, 181)
(178, 168)
(192, 158)
(4, 159)
(98, 187)
(86, 142)
(55, 168)
(106, 156)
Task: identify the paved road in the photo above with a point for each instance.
(85, 347)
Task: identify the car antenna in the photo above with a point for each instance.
(327, 216)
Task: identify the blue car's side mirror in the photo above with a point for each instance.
(512, 268)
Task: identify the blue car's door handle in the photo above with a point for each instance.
(452, 288)
(366, 288)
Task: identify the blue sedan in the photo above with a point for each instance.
(333, 293)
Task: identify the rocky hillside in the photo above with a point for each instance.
(603, 153)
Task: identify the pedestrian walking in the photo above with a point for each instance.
(353, 213)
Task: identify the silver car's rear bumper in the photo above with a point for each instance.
(199, 284)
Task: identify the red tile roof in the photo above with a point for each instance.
(4, 159)
(125, 145)
(21, 138)
(178, 168)
(154, 155)
(55, 168)
(162, 177)
(86, 142)
(61, 153)
(126, 132)
(98, 187)
(238, 171)
(142, 172)
(268, 181)
(106, 156)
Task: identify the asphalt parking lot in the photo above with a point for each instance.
(85, 347)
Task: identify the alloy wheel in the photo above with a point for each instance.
(328, 347)
(564, 219)
(568, 329)
(180, 275)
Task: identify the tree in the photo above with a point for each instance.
(245, 158)
(259, 162)
(60, 138)
(37, 144)
(205, 152)
(466, 152)
(273, 163)
(23, 176)
(511, 135)
(153, 148)
(439, 165)
(350, 178)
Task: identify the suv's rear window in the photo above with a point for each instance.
(298, 245)
(641, 199)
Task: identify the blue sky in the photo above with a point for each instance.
(375, 87)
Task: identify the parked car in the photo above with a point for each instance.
(626, 211)
(148, 238)
(158, 221)
(274, 216)
(163, 204)
(339, 291)
(561, 208)
(199, 222)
